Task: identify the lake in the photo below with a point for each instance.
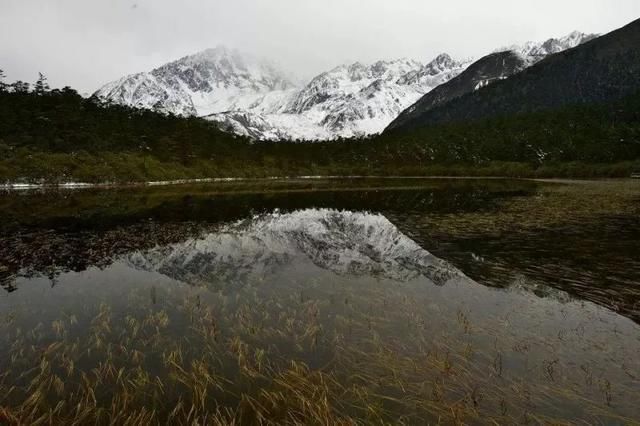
(351, 301)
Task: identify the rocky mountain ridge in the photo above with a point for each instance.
(252, 97)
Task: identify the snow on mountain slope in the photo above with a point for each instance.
(345, 243)
(348, 80)
(350, 100)
(358, 100)
(500, 65)
(533, 52)
(211, 81)
(145, 91)
(251, 97)
(270, 127)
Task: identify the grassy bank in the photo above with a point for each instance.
(132, 167)
(61, 137)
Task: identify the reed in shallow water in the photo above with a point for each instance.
(364, 353)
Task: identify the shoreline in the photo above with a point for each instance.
(17, 186)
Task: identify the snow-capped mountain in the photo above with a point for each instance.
(253, 98)
(500, 65)
(350, 100)
(211, 81)
(345, 243)
(533, 52)
(362, 99)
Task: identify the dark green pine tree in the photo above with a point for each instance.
(42, 86)
(3, 85)
(20, 87)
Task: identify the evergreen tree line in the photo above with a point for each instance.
(40, 87)
(59, 135)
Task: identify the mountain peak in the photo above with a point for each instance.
(221, 56)
(441, 62)
(249, 92)
(575, 35)
(534, 51)
(211, 81)
(604, 70)
(232, 61)
(220, 51)
(443, 58)
(576, 38)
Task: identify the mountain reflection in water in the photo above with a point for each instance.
(346, 243)
(386, 303)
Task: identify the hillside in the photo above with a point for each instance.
(495, 67)
(254, 98)
(601, 70)
(58, 136)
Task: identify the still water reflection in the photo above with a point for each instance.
(443, 301)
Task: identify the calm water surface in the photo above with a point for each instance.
(403, 301)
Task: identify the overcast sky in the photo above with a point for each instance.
(85, 43)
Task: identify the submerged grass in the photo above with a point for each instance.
(324, 349)
(335, 355)
(576, 236)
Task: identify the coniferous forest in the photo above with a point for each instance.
(58, 136)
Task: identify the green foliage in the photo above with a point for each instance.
(42, 86)
(3, 85)
(20, 87)
(57, 136)
(601, 133)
